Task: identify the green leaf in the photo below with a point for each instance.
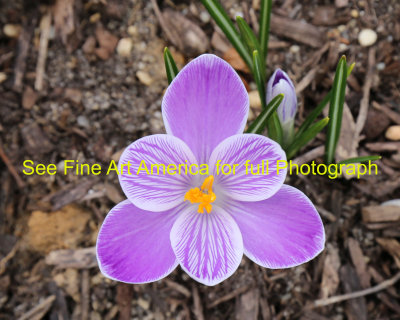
(273, 123)
(170, 66)
(313, 115)
(259, 77)
(250, 39)
(275, 128)
(224, 22)
(336, 110)
(265, 20)
(306, 137)
(360, 159)
(318, 110)
(260, 123)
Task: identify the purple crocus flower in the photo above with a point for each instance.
(205, 223)
(281, 83)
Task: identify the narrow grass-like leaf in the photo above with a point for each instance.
(360, 159)
(170, 66)
(336, 110)
(273, 123)
(275, 128)
(260, 123)
(250, 40)
(306, 137)
(259, 77)
(224, 22)
(313, 115)
(265, 20)
(318, 110)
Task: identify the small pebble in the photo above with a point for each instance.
(354, 13)
(380, 66)
(132, 30)
(144, 78)
(83, 121)
(393, 133)
(343, 47)
(367, 37)
(144, 304)
(94, 17)
(294, 49)
(205, 17)
(254, 98)
(12, 30)
(124, 47)
(3, 77)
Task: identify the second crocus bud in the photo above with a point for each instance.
(277, 84)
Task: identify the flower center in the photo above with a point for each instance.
(204, 196)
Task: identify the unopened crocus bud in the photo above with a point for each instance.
(281, 83)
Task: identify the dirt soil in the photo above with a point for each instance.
(81, 80)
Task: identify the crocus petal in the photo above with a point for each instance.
(133, 245)
(206, 103)
(155, 192)
(281, 83)
(248, 184)
(209, 247)
(280, 232)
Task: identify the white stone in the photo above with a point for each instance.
(11, 30)
(294, 49)
(3, 77)
(124, 47)
(205, 17)
(367, 37)
(393, 133)
(254, 98)
(144, 78)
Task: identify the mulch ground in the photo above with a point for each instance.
(81, 80)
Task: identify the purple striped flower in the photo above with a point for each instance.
(281, 83)
(205, 223)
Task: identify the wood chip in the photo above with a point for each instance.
(383, 146)
(192, 39)
(359, 263)
(29, 98)
(35, 141)
(40, 310)
(45, 24)
(235, 60)
(24, 42)
(228, 296)
(70, 193)
(372, 214)
(178, 287)
(124, 300)
(60, 229)
(356, 309)
(198, 307)
(84, 258)
(297, 30)
(247, 305)
(393, 115)
(330, 275)
(392, 246)
(64, 22)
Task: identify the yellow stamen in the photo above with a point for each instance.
(204, 196)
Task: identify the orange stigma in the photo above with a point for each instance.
(204, 195)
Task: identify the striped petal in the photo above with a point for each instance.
(155, 189)
(209, 247)
(133, 245)
(255, 158)
(281, 232)
(206, 103)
